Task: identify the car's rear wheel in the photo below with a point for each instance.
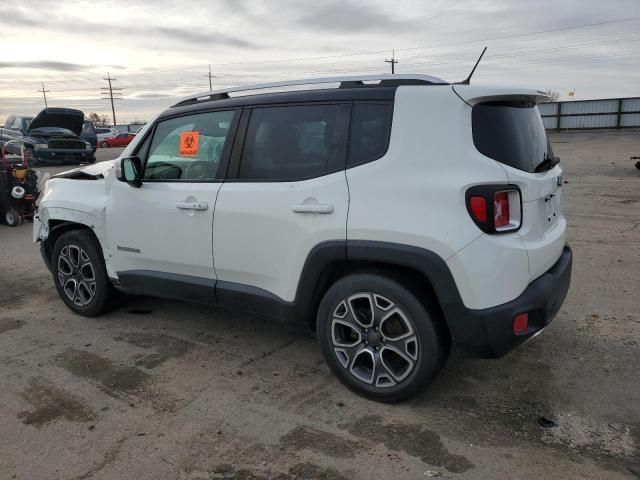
(80, 274)
(104, 144)
(378, 338)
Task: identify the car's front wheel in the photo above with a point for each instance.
(80, 274)
(378, 338)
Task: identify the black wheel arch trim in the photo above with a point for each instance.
(481, 333)
(324, 259)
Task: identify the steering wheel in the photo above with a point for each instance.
(200, 170)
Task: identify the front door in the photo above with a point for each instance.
(161, 234)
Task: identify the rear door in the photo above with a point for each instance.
(164, 229)
(285, 194)
(512, 133)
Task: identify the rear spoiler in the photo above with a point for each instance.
(474, 94)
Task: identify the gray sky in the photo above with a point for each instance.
(159, 50)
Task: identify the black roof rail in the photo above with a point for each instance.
(366, 81)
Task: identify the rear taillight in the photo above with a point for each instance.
(478, 207)
(495, 208)
(500, 209)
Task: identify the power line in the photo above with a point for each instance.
(377, 52)
(210, 77)
(393, 62)
(111, 89)
(44, 94)
(113, 92)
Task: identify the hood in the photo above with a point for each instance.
(90, 172)
(58, 117)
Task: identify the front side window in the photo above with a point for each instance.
(370, 131)
(294, 142)
(188, 148)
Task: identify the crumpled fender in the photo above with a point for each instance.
(76, 201)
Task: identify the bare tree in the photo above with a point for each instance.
(98, 120)
(553, 95)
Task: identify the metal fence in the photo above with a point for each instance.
(584, 114)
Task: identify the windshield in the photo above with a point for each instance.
(511, 133)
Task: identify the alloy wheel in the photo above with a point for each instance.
(374, 339)
(76, 275)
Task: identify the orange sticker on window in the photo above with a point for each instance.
(189, 144)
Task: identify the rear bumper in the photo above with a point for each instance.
(488, 333)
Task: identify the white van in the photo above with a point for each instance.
(394, 215)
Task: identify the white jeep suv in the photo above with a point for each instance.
(393, 215)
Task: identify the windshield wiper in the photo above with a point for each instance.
(547, 164)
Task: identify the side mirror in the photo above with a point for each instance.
(131, 171)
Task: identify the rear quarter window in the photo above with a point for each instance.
(370, 131)
(511, 133)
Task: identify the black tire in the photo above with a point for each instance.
(70, 256)
(422, 344)
(104, 144)
(12, 218)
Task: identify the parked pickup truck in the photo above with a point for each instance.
(52, 136)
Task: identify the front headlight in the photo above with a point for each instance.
(87, 145)
(38, 146)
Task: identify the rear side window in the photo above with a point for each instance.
(294, 142)
(511, 133)
(370, 130)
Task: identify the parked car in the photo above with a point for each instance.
(52, 136)
(120, 140)
(106, 132)
(89, 135)
(393, 218)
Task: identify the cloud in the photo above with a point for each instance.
(203, 38)
(53, 65)
(201, 35)
(166, 47)
(44, 65)
(150, 95)
(348, 16)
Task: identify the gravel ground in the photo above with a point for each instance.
(161, 389)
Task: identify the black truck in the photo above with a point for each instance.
(53, 136)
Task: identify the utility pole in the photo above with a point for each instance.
(393, 62)
(44, 94)
(210, 77)
(112, 91)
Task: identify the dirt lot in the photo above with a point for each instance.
(161, 389)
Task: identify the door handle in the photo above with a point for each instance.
(192, 205)
(313, 208)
